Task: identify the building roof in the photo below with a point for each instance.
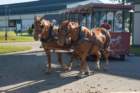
(34, 7)
(83, 3)
(93, 6)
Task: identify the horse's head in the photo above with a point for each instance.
(76, 33)
(62, 31)
(37, 27)
(43, 29)
(67, 32)
(73, 32)
(101, 37)
(47, 28)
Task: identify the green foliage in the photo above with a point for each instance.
(30, 31)
(13, 38)
(135, 50)
(10, 33)
(9, 49)
(125, 1)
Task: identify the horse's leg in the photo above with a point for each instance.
(48, 54)
(87, 70)
(82, 64)
(60, 61)
(106, 56)
(84, 68)
(71, 62)
(98, 56)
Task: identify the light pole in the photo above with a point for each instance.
(131, 29)
(6, 21)
(123, 16)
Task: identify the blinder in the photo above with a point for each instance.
(81, 34)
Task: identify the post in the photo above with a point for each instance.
(131, 29)
(5, 10)
(6, 21)
(113, 21)
(123, 16)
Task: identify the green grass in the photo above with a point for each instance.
(9, 49)
(135, 50)
(13, 38)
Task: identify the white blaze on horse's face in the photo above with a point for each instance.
(37, 28)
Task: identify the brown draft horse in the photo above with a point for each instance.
(44, 30)
(85, 42)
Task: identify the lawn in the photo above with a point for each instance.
(9, 49)
(13, 38)
(135, 50)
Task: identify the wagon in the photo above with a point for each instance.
(120, 44)
(117, 15)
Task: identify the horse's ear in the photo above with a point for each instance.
(38, 18)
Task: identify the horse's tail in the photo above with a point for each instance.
(108, 38)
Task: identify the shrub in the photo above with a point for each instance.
(30, 31)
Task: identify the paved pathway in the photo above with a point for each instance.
(24, 73)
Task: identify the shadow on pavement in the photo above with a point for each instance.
(24, 73)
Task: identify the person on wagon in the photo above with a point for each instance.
(106, 25)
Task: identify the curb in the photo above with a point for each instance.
(22, 52)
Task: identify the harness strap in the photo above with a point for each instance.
(81, 34)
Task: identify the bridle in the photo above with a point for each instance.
(37, 28)
(49, 37)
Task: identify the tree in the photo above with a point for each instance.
(126, 1)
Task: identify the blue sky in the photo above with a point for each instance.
(18, 1)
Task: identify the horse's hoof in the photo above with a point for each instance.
(87, 73)
(69, 68)
(80, 76)
(97, 69)
(93, 72)
(66, 69)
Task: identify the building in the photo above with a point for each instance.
(20, 16)
(93, 15)
(136, 34)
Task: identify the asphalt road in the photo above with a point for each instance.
(25, 73)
